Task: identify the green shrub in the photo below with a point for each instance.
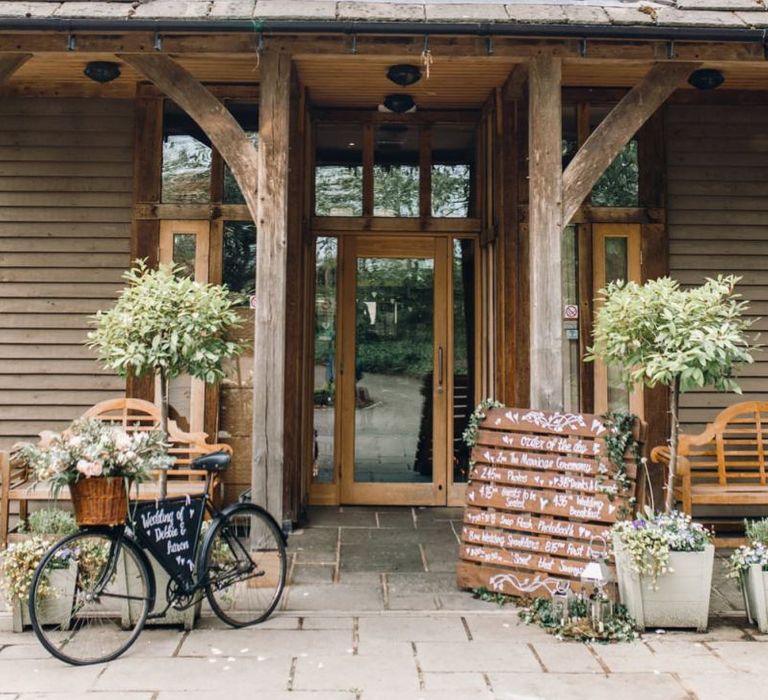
(50, 521)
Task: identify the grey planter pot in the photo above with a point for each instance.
(754, 586)
(54, 610)
(681, 598)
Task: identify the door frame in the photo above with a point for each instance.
(442, 490)
(201, 229)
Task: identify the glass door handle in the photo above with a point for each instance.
(439, 369)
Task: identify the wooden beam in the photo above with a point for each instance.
(545, 232)
(210, 114)
(10, 63)
(617, 129)
(269, 367)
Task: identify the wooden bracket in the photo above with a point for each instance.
(11, 63)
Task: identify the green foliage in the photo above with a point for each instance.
(49, 521)
(658, 332)
(618, 186)
(167, 323)
(757, 530)
(501, 599)
(620, 441)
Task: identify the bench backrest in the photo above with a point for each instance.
(732, 449)
(136, 414)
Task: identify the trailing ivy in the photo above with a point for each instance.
(619, 442)
(478, 416)
(501, 599)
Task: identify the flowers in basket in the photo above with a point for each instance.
(649, 540)
(92, 448)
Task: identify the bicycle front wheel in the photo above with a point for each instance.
(90, 597)
(245, 566)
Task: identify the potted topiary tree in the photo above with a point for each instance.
(660, 334)
(166, 324)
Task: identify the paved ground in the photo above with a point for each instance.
(372, 614)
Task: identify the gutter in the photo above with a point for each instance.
(487, 29)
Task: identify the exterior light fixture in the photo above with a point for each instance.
(404, 74)
(102, 71)
(399, 103)
(706, 79)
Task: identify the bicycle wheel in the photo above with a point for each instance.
(89, 597)
(245, 564)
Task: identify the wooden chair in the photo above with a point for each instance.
(17, 484)
(726, 464)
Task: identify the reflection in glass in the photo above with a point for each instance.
(570, 263)
(618, 185)
(186, 175)
(396, 170)
(453, 165)
(184, 252)
(339, 170)
(393, 370)
(326, 257)
(616, 268)
(464, 352)
(239, 257)
(232, 193)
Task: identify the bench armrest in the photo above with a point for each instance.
(660, 454)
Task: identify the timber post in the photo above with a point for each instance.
(271, 283)
(545, 233)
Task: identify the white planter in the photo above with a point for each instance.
(681, 598)
(54, 610)
(172, 617)
(754, 586)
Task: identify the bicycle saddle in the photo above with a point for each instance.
(213, 462)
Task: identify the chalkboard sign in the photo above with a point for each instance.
(170, 529)
(541, 499)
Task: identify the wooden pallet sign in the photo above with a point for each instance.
(542, 496)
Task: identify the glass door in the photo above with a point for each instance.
(186, 243)
(394, 370)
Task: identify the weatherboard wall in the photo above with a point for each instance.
(65, 227)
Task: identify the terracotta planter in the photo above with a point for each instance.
(681, 598)
(54, 610)
(754, 586)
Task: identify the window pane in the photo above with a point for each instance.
(326, 252)
(339, 170)
(570, 264)
(618, 186)
(396, 170)
(463, 351)
(184, 249)
(238, 268)
(616, 268)
(453, 168)
(186, 169)
(232, 193)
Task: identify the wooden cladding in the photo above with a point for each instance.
(65, 237)
(542, 496)
(717, 165)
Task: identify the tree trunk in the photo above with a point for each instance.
(673, 438)
(163, 427)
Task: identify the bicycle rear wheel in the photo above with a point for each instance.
(90, 597)
(245, 564)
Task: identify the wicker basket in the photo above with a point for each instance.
(99, 501)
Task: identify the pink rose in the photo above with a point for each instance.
(88, 469)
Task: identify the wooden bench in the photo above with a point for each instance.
(18, 485)
(726, 464)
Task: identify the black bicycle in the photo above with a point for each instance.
(94, 590)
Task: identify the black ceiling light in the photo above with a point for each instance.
(102, 71)
(404, 74)
(706, 79)
(399, 103)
